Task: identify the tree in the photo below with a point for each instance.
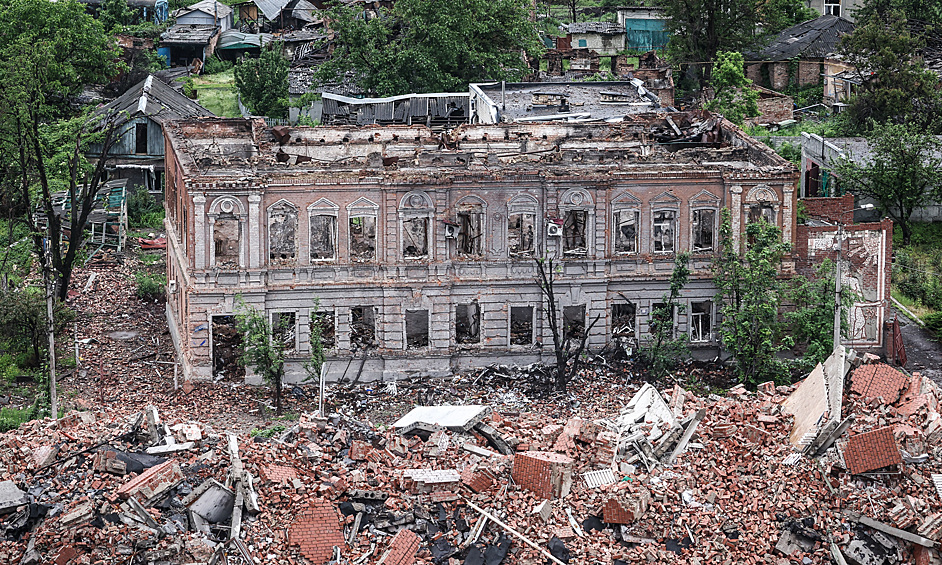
(48, 52)
(895, 84)
(261, 351)
(263, 82)
(664, 348)
(734, 96)
(927, 12)
(430, 45)
(749, 295)
(114, 14)
(811, 322)
(904, 172)
(568, 358)
(777, 15)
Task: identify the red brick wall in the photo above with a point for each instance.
(316, 531)
(837, 209)
(541, 472)
(775, 109)
(150, 481)
(809, 72)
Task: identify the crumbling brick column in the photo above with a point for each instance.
(548, 475)
(626, 504)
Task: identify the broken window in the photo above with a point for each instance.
(574, 232)
(140, 138)
(521, 234)
(363, 238)
(323, 322)
(626, 231)
(623, 320)
(470, 230)
(521, 325)
(762, 211)
(284, 330)
(226, 232)
(663, 232)
(362, 327)
(282, 230)
(416, 329)
(704, 222)
(573, 322)
(660, 314)
(468, 323)
(415, 237)
(701, 321)
(323, 237)
(227, 349)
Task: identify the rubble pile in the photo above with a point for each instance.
(638, 475)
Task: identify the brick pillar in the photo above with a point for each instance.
(788, 217)
(199, 231)
(254, 235)
(736, 212)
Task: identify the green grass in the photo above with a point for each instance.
(217, 93)
(912, 305)
(926, 236)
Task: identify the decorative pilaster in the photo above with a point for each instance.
(736, 213)
(199, 231)
(255, 234)
(788, 192)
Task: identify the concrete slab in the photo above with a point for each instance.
(454, 418)
(214, 504)
(648, 407)
(809, 405)
(11, 497)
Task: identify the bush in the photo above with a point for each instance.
(933, 323)
(215, 65)
(12, 418)
(189, 88)
(143, 209)
(151, 286)
(914, 276)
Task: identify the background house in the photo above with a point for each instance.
(645, 27)
(605, 38)
(141, 112)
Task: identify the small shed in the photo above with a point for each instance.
(605, 38)
(206, 12)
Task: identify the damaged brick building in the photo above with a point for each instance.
(415, 252)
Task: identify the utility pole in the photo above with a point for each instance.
(837, 287)
(51, 329)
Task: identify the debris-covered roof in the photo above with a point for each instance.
(235, 39)
(601, 28)
(155, 99)
(564, 101)
(812, 39)
(189, 34)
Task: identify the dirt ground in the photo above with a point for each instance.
(924, 354)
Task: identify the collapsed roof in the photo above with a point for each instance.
(812, 39)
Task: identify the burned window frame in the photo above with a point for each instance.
(350, 333)
(319, 209)
(416, 205)
(272, 314)
(764, 199)
(477, 339)
(711, 319)
(696, 225)
(652, 308)
(227, 208)
(471, 206)
(634, 319)
(523, 205)
(318, 314)
(577, 200)
(405, 328)
(510, 317)
(655, 225)
(568, 332)
(616, 212)
(363, 208)
(272, 210)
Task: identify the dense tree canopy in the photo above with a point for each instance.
(431, 45)
(734, 96)
(263, 82)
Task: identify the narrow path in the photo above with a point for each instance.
(924, 354)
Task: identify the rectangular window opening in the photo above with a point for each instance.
(362, 327)
(470, 236)
(323, 321)
(283, 330)
(363, 238)
(416, 329)
(762, 211)
(573, 322)
(140, 138)
(227, 349)
(701, 321)
(574, 231)
(660, 315)
(415, 238)
(468, 323)
(521, 234)
(626, 231)
(323, 237)
(623, 320)
(703, 226)
(282, 229)
(226, 243)
(521, 325)
(664, 227)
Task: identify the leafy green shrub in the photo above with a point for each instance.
(933, 323)
(150, 286)
(914, 276)
(143, 209)
(268, 432)
(12, 418)
(215, 65)
(790, 152)
(189, 88)
(8, 368)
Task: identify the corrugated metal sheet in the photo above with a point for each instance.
(271, 8)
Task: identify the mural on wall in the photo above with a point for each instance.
(861, 274)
